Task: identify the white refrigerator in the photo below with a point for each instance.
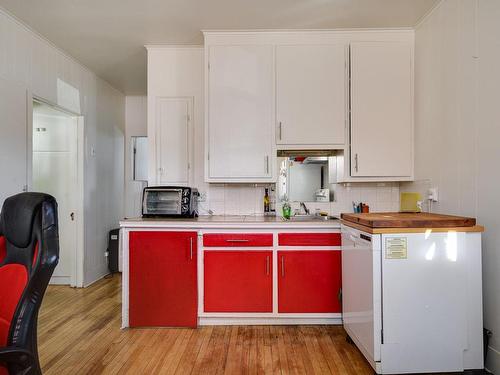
(412, 302)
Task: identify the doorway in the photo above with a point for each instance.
(56, 171)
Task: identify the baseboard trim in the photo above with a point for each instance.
(234, 321)
(60, 280)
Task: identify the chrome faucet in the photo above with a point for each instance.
(306, 210)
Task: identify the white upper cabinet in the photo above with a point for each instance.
(381, 129)
(350, 91)
(311, 87)
(240, 113)
(173, 117)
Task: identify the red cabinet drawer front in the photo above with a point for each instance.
(238, 281)
(163, 279)
(309, 239)
(309, 281)
(238, 240)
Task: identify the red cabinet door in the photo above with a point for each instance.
(163, 279)
(309, 281)
(238, 281)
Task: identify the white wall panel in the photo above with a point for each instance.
(31, 62)
(136, 126)
(457, 84)
(13, 138)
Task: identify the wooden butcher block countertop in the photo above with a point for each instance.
(393, 222)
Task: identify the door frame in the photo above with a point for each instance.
(76, 278)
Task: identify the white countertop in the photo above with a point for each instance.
(230, 221)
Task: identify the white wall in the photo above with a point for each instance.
(30, 65)
(135, 126)
(457, 80)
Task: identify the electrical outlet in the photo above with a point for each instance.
(432, 194)
(202, 197)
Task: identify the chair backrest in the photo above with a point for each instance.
(29, 252)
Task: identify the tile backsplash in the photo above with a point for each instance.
(234, 199)
(247, 199)
(381, 197)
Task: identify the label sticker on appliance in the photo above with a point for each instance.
(396, 248)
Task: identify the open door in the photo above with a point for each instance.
(55, 171)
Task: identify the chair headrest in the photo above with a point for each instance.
(18, 216)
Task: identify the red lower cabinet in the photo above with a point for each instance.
(163, 279)
(309, 281)
(238, 281)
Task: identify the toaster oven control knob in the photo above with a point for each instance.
(185, 193)
(184, 207)
(185, 200)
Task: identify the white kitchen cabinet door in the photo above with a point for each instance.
(381, 109)
(173, 117)
(311, 91)
(240, 133)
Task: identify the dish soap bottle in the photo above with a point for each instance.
(266, 201)
(286, 210)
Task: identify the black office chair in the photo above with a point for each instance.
(29, 252)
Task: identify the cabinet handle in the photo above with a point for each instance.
(191, 247)
(282, 266)
(267, 163)
(280, 130)
(267, 265)
(237, 240)
(356, 162)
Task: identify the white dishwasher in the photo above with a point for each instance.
(361, 291)
(412, 301)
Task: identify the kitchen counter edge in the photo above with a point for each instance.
(364, 228)
(202, 223)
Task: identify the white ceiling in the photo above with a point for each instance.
(108, 35)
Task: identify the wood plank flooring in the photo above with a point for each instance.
(79, 333)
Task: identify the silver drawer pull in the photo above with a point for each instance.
(241, 240)
(282, 266)
(267, 265)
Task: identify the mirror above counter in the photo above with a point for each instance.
(306, 176)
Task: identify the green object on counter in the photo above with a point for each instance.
(287, 210)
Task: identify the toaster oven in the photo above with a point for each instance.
(170, 201)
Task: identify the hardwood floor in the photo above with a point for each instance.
(79, 333)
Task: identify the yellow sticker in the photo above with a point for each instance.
(396, 248)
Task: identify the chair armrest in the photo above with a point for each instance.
(13, 355)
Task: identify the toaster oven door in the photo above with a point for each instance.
(163, 202)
